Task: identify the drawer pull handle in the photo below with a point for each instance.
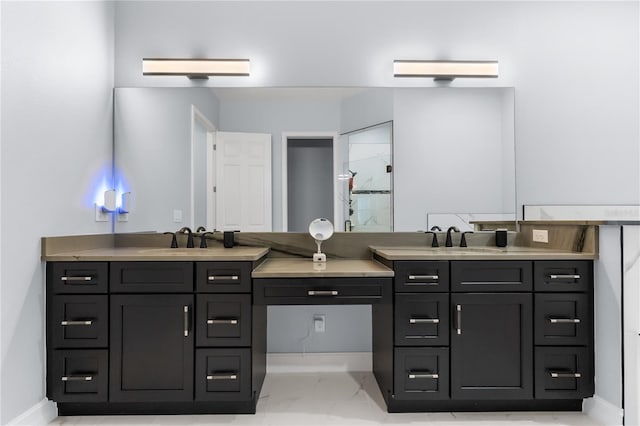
(232, 321)
(322, 292)
(565, 375)
(424, 321)
(186, 320)
(564, 320)
(423, 277)
(223, 277)
(564, 277)
(458, 319)
(417, 375)
(65, 278)
(66, 323)
(223, 377)
(77, 378)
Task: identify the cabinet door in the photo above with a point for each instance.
(421, 373)
(151, 348)
(491, 346)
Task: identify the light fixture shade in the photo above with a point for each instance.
(195, 68)
(445, 69)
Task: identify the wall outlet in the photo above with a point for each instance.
(101, 215)
(318, 323)
(540, 235)
(177, 216)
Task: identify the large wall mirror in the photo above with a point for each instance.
(272, 159)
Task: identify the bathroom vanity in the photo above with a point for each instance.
(156, 330)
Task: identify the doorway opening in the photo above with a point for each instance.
(309, 189)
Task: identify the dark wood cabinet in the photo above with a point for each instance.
(491, 276)
(151, 348)
(491, 346)
(422, 319)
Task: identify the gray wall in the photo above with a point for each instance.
(153, 155)
(309, 182)
(57, 80)
(576, 117)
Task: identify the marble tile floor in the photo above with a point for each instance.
(345, 399)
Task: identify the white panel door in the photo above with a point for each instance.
(243, 182)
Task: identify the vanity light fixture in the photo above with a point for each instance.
(445, 70)
(108, 206)
(195, 68)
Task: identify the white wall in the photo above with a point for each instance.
(574, 65)
(153, 155)
(57, 80)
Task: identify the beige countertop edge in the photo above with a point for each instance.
(159, 254)
(512, 253)
(334, 268)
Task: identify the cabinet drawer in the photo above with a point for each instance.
(77, 375)
(223, 320)
(491, 276)
(77, 277)
(421, 373)
(321, 291)
(151, 277)
(560, 275)
(563, 373)
(418, 276)
(422, 319)
(78, 321)
(223, 277)
(562, 319)
(223, 374)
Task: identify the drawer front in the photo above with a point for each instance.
(151, 277)
(223, 320)
(223, 277)
(422, 319)
(421, 373)
(561, 275)
(492, 276)
(563, 373)
(78, 321)
(321, 291)
(78, 277)
(562, 319)
(223, 374)
(77, 375)
(419, 276)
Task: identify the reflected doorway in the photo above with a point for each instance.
(370, 179)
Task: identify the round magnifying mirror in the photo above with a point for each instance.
(321, 229)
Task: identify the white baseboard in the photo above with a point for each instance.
(319, 362)
(40, 414)
(602, 411)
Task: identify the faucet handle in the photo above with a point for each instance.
(200, 229)
(463, 240)
(174, 241)
(203, 239)
(434, 241)
(436, 228)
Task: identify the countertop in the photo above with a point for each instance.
(300, 268)
(476, 253)
(163, 254)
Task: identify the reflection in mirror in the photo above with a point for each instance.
(370, 207)
(452, 152)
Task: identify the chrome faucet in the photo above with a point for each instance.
(448, 242)
(187, 230)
